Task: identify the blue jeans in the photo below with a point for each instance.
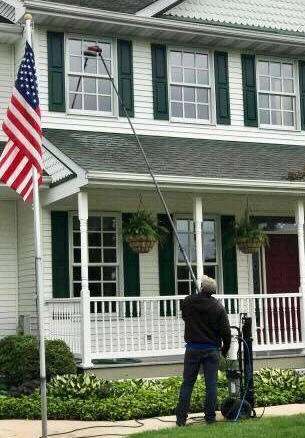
(192, 360)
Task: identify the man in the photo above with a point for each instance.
(207, 332)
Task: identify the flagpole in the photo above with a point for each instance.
(39, 279)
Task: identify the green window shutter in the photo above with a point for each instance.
(229, 263)
(159, 78)
(166, 265)
(60, 254)
(249, 90)
(131, 272)
(302, 92)
(125, 76)
(56, 71)
(222, 88)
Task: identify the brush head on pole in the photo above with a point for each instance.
(93, 51)
(27, 17)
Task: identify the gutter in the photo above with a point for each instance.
(13, 29)
(196, 183)
(158, 24)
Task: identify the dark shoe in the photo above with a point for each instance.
(180, 423)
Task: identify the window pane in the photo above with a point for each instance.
(176, 93)
(95, 289)
(189, 59)
(94, 223)
(77, 273)
(90, 102)
(106, 48)
(201, 60)
(75, 63)
(189, 111)
(210, 271)
(75, 47)
(101, 67)
(288, 85)
(109, 289)
(90, 65)
(90, 85)
(189, 94)
(264, 83)
(209, 248)
(177, 75)
(208, 226)
(104, 104)
(202, 77)
(94, 273)
(177, 109)
(109, 239)
(183, 287)
(275, 69)
(76, 239)
(75, 101)
(275, 102)
(175, 58)
(109, 223)
(104, 86)
(288, 119)
(109, 273)
(95, 255)
(109, 255)
(264, 101)
(276, 84)
(75, 83)
(94, 239)
(264, 117)
(287, 103)
(276, 117)
(75, 223)
(184, 239)
(203, 112)
(182, 225)
(263, 68)
(189, 75)
(202, 95)
(182, 273)
(77, 255)
(77, 287)
(287, 70)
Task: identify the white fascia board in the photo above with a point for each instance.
(62, 191)
(49, 9)
(156, 8)
(10, 33)
(172, 182)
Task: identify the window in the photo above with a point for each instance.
(186, 232)
(277, 94)
(88, 83)
(190, 85)
(103, 256)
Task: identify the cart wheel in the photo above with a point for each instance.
(230, 408)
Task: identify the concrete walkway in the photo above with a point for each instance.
(31, 429)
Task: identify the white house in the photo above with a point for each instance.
(216, 91)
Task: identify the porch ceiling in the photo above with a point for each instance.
(180, 157)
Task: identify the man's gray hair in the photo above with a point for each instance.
(208, 285)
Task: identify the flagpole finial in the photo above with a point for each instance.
(28, 16)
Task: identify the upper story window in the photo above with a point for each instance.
(88, 83)
(276, 94)
(190, 85)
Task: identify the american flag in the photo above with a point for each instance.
(22, 125)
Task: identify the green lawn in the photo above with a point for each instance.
(281, 427)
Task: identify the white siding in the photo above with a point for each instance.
(144, 121)
(6, 79)
(8, 269)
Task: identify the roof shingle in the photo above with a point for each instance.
(109, 152)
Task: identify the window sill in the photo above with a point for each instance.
(94, 114)
(276, 129)
(191, 121)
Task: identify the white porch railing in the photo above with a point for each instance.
(153, 326)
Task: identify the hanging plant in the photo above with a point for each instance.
(248, 236)
(141, 232)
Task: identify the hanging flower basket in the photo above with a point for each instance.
(249, 245)
(141, 244)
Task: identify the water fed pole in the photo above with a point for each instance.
(95, 51)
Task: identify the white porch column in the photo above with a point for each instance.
(198, 220)
(299, 215)
(85, 294)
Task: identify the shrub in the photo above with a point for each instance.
(279, 379)
(79, 386)
(19, 359)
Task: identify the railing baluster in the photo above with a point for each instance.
(145, 325)
(139, 327)
(118, 330)
(159, 325)
(97, 350)
(125, 326)
(152, 324)
(284, 320)
(131, 326)
(172, 323)
(104, 327)
(296, 307)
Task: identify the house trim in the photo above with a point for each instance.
(158, 7)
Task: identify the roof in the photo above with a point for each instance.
(276, 15)
(125, 6)
(4, 20)
(109, 152)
